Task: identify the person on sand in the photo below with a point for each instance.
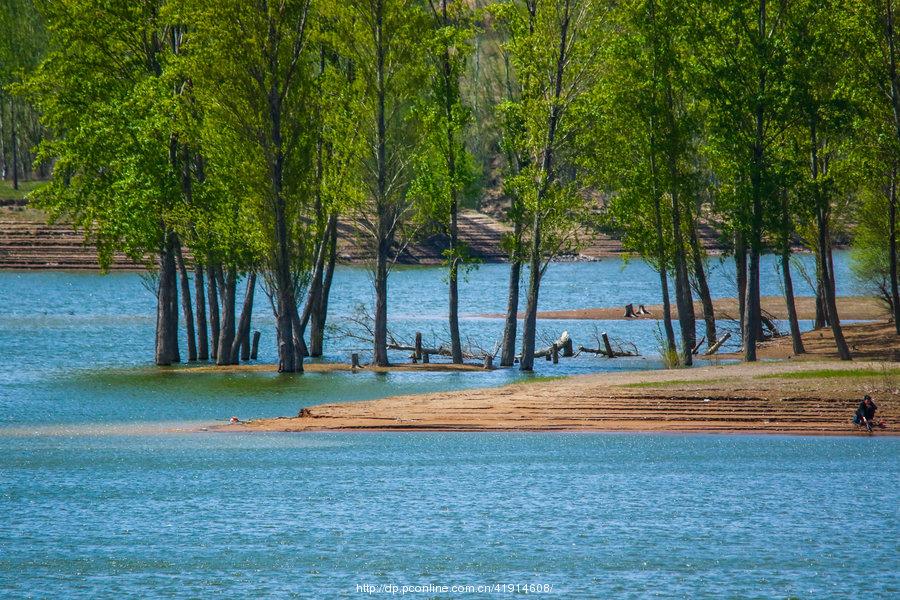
(865, 414)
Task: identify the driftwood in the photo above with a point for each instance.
(696, 349)
(607, 350)
(564, 342)
(769, 324)
(715, 347)
(439, 351)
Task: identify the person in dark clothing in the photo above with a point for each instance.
(865, 413)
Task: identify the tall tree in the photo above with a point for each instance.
(740, 52)
(254, 67)
(448, 117)
(559, 52)
(107, 102)
(818, 99)
(383, 41)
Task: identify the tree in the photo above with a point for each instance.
(254, 68)
(107, 102)
(22, 46)
(823, 113)
(739, 53)
(447, 118)
(877, 144)
(383, 42)
(622, 154)
(555, 55)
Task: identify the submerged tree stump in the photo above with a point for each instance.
(354, 361)
(418, 347)
(254, 346)
(488, 362)
(607, 345)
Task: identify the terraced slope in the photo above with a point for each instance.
(27, 242)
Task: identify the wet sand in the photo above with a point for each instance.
(814, 396)
(855, 308)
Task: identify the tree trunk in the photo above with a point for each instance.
(381, 287)
(508, 353)
(14, 143)
(314, 295)
(683, 298)
(709, 314)
(753, 317)
(213, 275)
(451, 91)
(320, 314)
(662, 255)
(186, 304)
(227, 284)
(166, 305)
(740, 269)
(200, 303)
(243, 328)
(892, 249)
(752, 320)
(526, 363)
(787, 228)
(822, 212)
(4, 161)
(384, 236)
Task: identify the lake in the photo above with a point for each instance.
(108, 491)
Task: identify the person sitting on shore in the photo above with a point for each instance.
(865, 414)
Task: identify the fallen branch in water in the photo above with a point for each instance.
(608, 350)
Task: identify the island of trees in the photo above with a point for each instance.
(227, 139)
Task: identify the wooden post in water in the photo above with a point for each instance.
(554, 352)
(418, 346)
(354, 360)
(607, 345)
(254, 346)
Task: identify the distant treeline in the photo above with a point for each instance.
(226, 138)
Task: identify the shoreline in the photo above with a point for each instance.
(816, 395)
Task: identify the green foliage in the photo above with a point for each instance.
(103, 97)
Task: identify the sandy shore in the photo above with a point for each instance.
(816, 396)
(856, 308)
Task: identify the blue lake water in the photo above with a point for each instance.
(102, 499)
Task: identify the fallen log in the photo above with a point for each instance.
(715, 347)
(439, 351)
(607, 350)
(602, 352)
(563, 341)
